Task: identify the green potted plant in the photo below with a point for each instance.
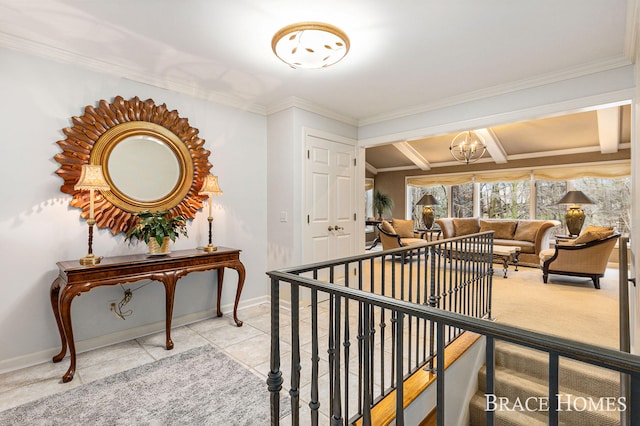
(381, 203)
(156, 229)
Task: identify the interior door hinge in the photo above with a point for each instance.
(308, 219)
(354, 217)
(354, 161)
(308, 154)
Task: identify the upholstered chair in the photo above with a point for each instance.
(400, 234)
(585, 256)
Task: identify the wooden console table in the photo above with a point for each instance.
(75, 279)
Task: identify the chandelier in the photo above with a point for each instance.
(310, 45)
(468, 147)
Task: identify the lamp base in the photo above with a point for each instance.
(574, 220)
(210, 248)
(428, 217)
(90, 259)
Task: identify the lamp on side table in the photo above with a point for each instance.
(92, 179)
(210, 188)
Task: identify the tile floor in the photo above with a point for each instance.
(249, 345)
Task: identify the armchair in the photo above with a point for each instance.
(400, 234)
(588, 259)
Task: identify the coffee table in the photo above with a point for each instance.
(506, 254)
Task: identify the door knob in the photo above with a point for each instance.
(339, 228)
(330, 228)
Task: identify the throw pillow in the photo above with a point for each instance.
(465, 226)
(386, 227)
(604, 231)
(593, 233)
(404, 228)
(503, 229)
(527, 230)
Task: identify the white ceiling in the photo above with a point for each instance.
(404, 54)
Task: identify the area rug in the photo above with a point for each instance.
(202, 386)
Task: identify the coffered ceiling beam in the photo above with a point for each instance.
(494, 147)
(413, 155)
(370, 168)
(609, 129)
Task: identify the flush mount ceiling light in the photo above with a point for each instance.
(468, 147)
(310, 45)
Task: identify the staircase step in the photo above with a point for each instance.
(477, 415)
(574, 376)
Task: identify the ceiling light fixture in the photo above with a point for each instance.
(468, 147)
(310, 45)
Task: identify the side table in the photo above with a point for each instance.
(75, 279)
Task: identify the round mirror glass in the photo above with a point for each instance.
(144, 168)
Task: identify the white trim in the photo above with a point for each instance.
(40, 357)
(619, 97)
(412, 155)
(295, 102)
(550, 78)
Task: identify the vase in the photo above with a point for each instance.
(155, 248)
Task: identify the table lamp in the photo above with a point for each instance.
(210, 188)
(575, 216)
(92, 179)
(428, 215)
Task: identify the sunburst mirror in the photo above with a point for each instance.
(151, 158)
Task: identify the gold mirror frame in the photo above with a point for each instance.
(96, 133)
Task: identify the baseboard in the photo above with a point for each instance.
(40, 357)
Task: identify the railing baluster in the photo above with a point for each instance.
(553, 388)
(294, 392)
(314, 403)
(336, 389)
(346, 343)
(440, 402)
(274, 378)
(490, 372)
(399, 316)
(368, 394)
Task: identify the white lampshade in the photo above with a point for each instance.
(91, 177)
(210, 186)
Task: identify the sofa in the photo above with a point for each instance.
(532, 236)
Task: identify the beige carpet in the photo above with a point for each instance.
(568, 307)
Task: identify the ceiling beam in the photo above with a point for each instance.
(370, 168)
(494, 147)
(414, 156)
(609, 129)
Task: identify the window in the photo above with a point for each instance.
(414, 194)
(462, 200)
(612, 202)
(505, 200)
(547, 195)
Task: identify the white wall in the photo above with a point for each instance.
(39, 228)
(285, 179)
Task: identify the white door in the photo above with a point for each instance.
(330, 200)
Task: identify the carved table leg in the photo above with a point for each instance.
(66, 298)
(169, 280)
(505, 265)
(220, 279)
(241, 274)
(55, 298)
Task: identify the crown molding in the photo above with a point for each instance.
(64, 56)
(295, 102)
(631, 30)
(554, 77)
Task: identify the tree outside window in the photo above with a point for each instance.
(612, 202)
(462, 200)
(505, 200)
(438, 191)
